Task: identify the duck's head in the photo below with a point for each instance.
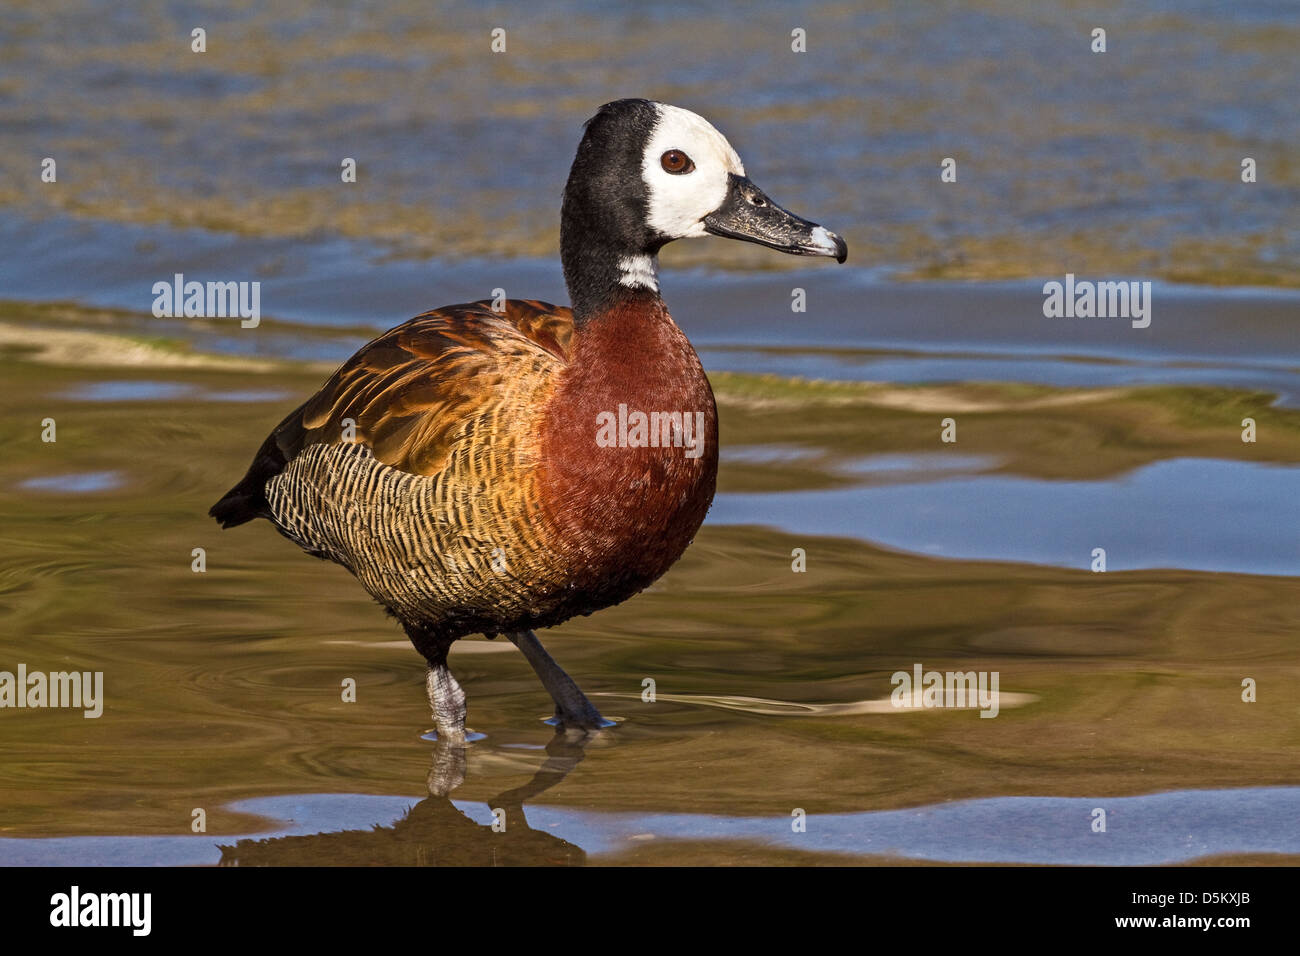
(647, 173)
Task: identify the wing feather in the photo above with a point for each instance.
(411, 392)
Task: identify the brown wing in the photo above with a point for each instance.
(411, 391)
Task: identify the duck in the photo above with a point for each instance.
(499, 467)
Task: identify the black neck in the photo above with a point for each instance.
(593, 271)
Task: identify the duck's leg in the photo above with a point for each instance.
(447, 701)
(572, 708)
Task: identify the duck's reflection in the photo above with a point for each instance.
(434, 832)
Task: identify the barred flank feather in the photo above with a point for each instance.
(414, 465)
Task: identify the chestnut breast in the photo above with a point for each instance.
(628, 452)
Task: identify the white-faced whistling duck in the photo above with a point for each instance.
(496, 471)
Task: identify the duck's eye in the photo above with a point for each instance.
(676, 162)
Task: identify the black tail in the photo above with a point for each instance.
(239, 505)
(247, 500)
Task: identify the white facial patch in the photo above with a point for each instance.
(678, 202)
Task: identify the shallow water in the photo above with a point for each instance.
(1155, 517)
(1158, 829)
(222, 688)
(1120, 691)
(1124, 162)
